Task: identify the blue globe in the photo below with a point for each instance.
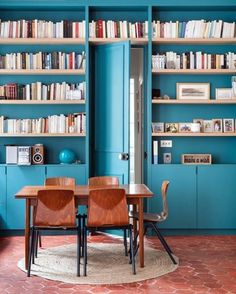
(67, 156)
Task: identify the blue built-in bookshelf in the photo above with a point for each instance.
(200, 196)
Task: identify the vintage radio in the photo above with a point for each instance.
(24, 155)
(38, 154)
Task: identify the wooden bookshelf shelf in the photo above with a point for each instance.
(194, 41)
(43, 102)
(42, 72)
(134, 41)
(194, 71)
(215, 134)
(44, 135)
(211, 101)
(44, 41)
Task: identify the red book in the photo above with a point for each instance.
(100, 31)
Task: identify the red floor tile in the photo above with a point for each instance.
(207, 265)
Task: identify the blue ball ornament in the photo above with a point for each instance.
(67, 156)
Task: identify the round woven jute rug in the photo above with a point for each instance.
(107, 264)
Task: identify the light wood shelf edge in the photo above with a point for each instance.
(42, 72)
(193, 71)
(210, 101)
(193, 40)
(215, 134)
(44, 41)
(114, 40)
(44, 102)
(44, 135)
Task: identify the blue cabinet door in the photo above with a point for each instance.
(181, 195)
(3, 195)
(17, 177)
(111, 111)
(72, 171)
(217, 196)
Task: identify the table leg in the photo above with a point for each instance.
(135, 224)
(141, 237)
(27, 231)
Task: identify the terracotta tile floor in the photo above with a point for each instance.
(207, 265)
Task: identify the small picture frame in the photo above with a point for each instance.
(217, 125)
(196, 159)
(193, 91)
(185, 127)
(228, 125)
(171, 127)
(166, 158)
(200, 122)
(158, 127)
(207, 126)
(224, 93)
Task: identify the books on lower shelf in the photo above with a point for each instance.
(155, 152)
(117, 29)
(40, 91)
(53, 124)
(193, 60)
(43, 60)
(193, 29)
(37, 28)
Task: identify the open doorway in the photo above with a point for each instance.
(136, 116)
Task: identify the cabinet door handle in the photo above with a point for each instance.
(124, 156)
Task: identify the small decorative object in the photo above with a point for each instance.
(217, 125)
(200, 122)
(193, 91)
(207, 126)
(156, 93)
(224, 94)
(167, 157)
(171, 127)
(67, 156)
(185, 127)
(228, 125)
(158, 127)
(196, 159)
(166, 97)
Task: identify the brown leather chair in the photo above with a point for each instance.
(107, 209)
(54, 210)
(152, 219)
(107, 181)
(57, 181)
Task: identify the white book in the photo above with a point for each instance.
(155, 152)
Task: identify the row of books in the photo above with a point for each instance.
(43, 60)
(53, 124)
(194, 29)
(42, 29)
(117, 29)
(40, 91)
(194, 60)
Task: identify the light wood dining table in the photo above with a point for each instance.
(135, 194)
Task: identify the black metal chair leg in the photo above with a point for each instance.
(40, 240)
(85, 249)
(78, 248)
(30, 251)
(36, 243)
(132, 250)
(165, 245)
(125, 242)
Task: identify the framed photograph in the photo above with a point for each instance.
(193, 91)
(217, 125)
(185, 127)
(207, 126)
(167, 157)
(200, 122)
(171, 127)
(228, 125)
(224, 93)
(158, 127)
(196, 159)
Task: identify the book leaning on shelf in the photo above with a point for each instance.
(194, 60)
(53, 124)
(155, 152)
(117, 29)
(40, 91)
(193, 29)
(43, 60)
(42, 29)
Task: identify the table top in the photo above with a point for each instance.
(132, 190)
